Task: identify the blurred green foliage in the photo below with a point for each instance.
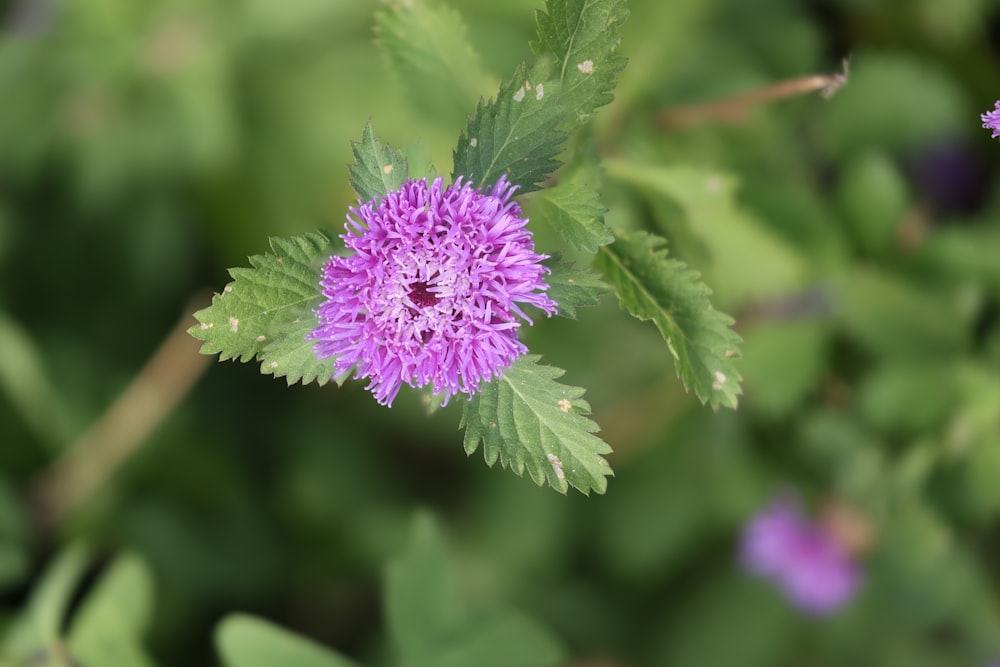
(145, 147)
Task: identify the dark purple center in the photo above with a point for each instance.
(421, 296)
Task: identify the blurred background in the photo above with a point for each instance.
(147, 146)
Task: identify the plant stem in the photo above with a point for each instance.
(118, 433)
(733, 109)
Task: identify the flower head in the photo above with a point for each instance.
(991, 120)
(802, 558)
(431, 293)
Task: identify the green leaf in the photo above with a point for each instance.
(246, 641)
(527, 420)
(736, 241)
(14, 537)
(516, 133)
(784, 362)
(575, 211)
(504, 638)
(522, 130)
(377, 168)
(28, 387)
(39, 629)
(652, 287)
(422, 598)
(896, 318)
(573, 288)
(428, 49)
(108, 628)
(584, 36)
(50, 599)
(431, 625)
(266, 312)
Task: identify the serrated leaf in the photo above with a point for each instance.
(575, 211)
(378, 169)
(528, 421)
(266, 312)
(247, 641)
(516, 133)
(665, 291)
(521, 131)
(428, 50)
(573, 288)
(734, 239)
(583, 35)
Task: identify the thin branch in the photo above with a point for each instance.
(734, 109)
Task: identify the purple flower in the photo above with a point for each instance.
(991, 120)
(430, 295)
(802, 558)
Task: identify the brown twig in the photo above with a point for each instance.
(733, 109)
(91, 460)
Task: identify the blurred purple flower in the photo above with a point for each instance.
(991, 120)
(430, 294)
(950, 176)
(802, 558)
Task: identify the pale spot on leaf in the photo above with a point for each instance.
(564, 404)
(519, 95)
(387, 169)
(473, 142)
(587, 66)
(228, 288)
(261, 339)
(557, 466)
(207, 325)
(274, 364)
(730, 353)
(539, 92)
(720, 379)
(234, 324)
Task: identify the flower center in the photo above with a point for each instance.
(420, 295)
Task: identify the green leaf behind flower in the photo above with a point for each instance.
(267, 311)
(428, 50)
(572, 288)
(652, 287)
(584, 36)
(575, 211)
(528, 421)
(378, 169)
